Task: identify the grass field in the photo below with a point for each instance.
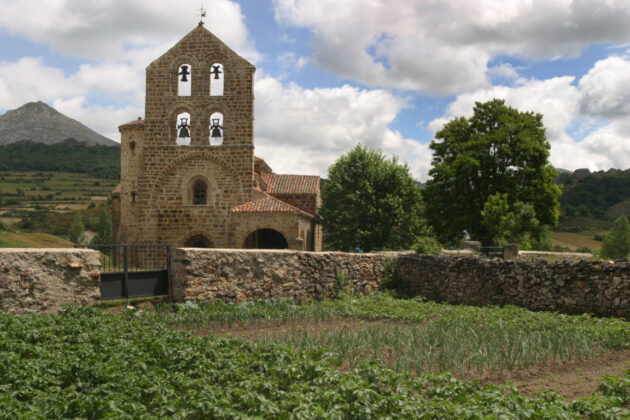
(573, 240)
(86, 363)
(32, 240)
(57, 190)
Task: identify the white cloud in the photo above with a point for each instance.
(315, 126)
(102, 119)
(598, 102)
(30, 79)
(444, 47)
(606, 88)
(118, 29)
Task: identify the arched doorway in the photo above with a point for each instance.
(266, 239)
(198, 241)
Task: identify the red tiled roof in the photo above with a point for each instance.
(291, 184)
(135, 123)
(116, 190)
(268, 204)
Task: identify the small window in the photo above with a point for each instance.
(200, 193)
(133, 196)
(182, 126)
(216, 129)
(217, 78)
(184, 80)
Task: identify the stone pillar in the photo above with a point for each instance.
(510, 252)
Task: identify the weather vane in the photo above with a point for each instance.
(202, 12)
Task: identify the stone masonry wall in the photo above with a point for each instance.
(601, 288)
(240, 275)
(41, 280)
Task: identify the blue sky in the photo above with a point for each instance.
(331, 73)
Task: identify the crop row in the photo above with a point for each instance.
(85, 363)
(418, 336)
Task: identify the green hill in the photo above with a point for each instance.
(591, 200)
(96, 161)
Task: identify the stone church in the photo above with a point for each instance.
(189, 176)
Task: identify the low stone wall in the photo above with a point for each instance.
(601, 288)
(41, 280)
(237, 275)
(534, 256)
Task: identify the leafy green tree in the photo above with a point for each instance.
(103, 228)
(498, 150)
(371, 203)
(505, 225)
(76, 233)
(617, 242)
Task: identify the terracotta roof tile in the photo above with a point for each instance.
(135, 123)
(291, 184)
(268, 204)
(116, 190)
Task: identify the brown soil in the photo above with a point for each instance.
(570, 379)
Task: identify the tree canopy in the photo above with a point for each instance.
(371, 203)
(499, 150)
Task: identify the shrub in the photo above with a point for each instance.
(427, 245)
(617, 242)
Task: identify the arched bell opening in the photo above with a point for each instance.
(184, 80)
(217, 79)
(217, 133)
(198, 241)
(266, 239)
(183, 130)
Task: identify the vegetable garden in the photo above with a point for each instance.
(368, 357)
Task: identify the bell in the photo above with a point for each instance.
(216, 128)
(184, 132)
(184, 128)
(216, 72)
(184, 72)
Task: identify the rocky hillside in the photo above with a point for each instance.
(39, 123)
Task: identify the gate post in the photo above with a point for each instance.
(168, 276)
(126, 275)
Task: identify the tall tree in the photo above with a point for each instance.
(498, 150)
(103, 228)
(77, 230)
(371, 203)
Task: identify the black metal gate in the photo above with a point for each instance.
(129, 271)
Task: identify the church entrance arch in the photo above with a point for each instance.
(266, 239)
(198, 241)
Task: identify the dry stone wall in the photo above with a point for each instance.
(601, 288)
(41, 280)
(239, 275)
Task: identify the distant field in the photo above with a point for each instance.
(57, 191)
(576, 240)
(32, 240)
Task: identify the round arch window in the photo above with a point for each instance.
(200, 193)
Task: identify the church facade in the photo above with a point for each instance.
(189, 176)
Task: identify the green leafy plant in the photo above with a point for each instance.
(341, 285)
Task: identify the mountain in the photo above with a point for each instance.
(37, 122)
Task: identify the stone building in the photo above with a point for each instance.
(189, 176)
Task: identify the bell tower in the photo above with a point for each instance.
(194, 153)
(200, 93)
